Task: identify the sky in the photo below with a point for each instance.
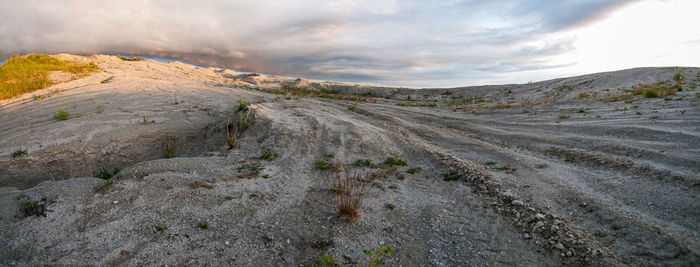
(409, 43)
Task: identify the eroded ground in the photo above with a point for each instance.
(546, 175)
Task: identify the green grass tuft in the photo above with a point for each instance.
(61, 115)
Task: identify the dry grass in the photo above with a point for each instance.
(350, 186)
(23, 74)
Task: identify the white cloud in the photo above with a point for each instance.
(413, 43)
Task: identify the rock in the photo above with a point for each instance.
(527, 236)
(559, 246)
(539, 216)
(569, 253)
(517, 203)
(538, 225)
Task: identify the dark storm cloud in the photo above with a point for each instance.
(379, 41)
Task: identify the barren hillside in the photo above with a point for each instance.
(588, 170)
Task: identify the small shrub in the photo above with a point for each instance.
(61, 115)
(267, 154)
(169, 148)
(327, 260)
(378, 185)
(100, 108)
(229, 197)
(375, 257)
(243, 121)
(389, 206)
(362, 163)
(394, 161)
(108, 79)
(654, 117)
(349, 198)
(507, 199)
(651, 92)
(203, 225)
(414, 170)
(19, 152)
(132, 58)
(231, 135)
(160, 228)
(242, 105)
(327, 165)
(105, 174)
(35, 208)
(679, 77)
(451, 176)
(564, 116)
(490, 163)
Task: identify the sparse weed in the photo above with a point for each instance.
(654, 117)
(375, 257)
(351, 184)
(450, 176)
(507, 199)
(101, 108)
(132, 58)
(267, 154)
(564, 116)
(19, 152)
(243, 121)
(35, 208)
(414, 170)
(389, 206)
(108, 79)
(203, 225)
(362, 163)
(378, 185)
(61, 115)
(394, 161)
(160, 228)
(242, 105)
(328, 165)
(105, 174)
(169, 147)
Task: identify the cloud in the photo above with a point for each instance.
(413, 43)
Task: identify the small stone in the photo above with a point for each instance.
(527, 236)
(539, 216)
(227, 243)
(559, 246)
(517, 203)
(538, 225)
(116, 202)
(288, 241)
(569, 253)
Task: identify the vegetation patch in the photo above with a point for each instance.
(394, 161)
(131, 58)
(414, 170)
(412, 104)
(23, 74)
(322, 93)
(450, 176)
(30, 208)
(61, 115)
(267, 154)
(19, 152)
(350, 186)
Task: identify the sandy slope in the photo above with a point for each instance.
(605, 186)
